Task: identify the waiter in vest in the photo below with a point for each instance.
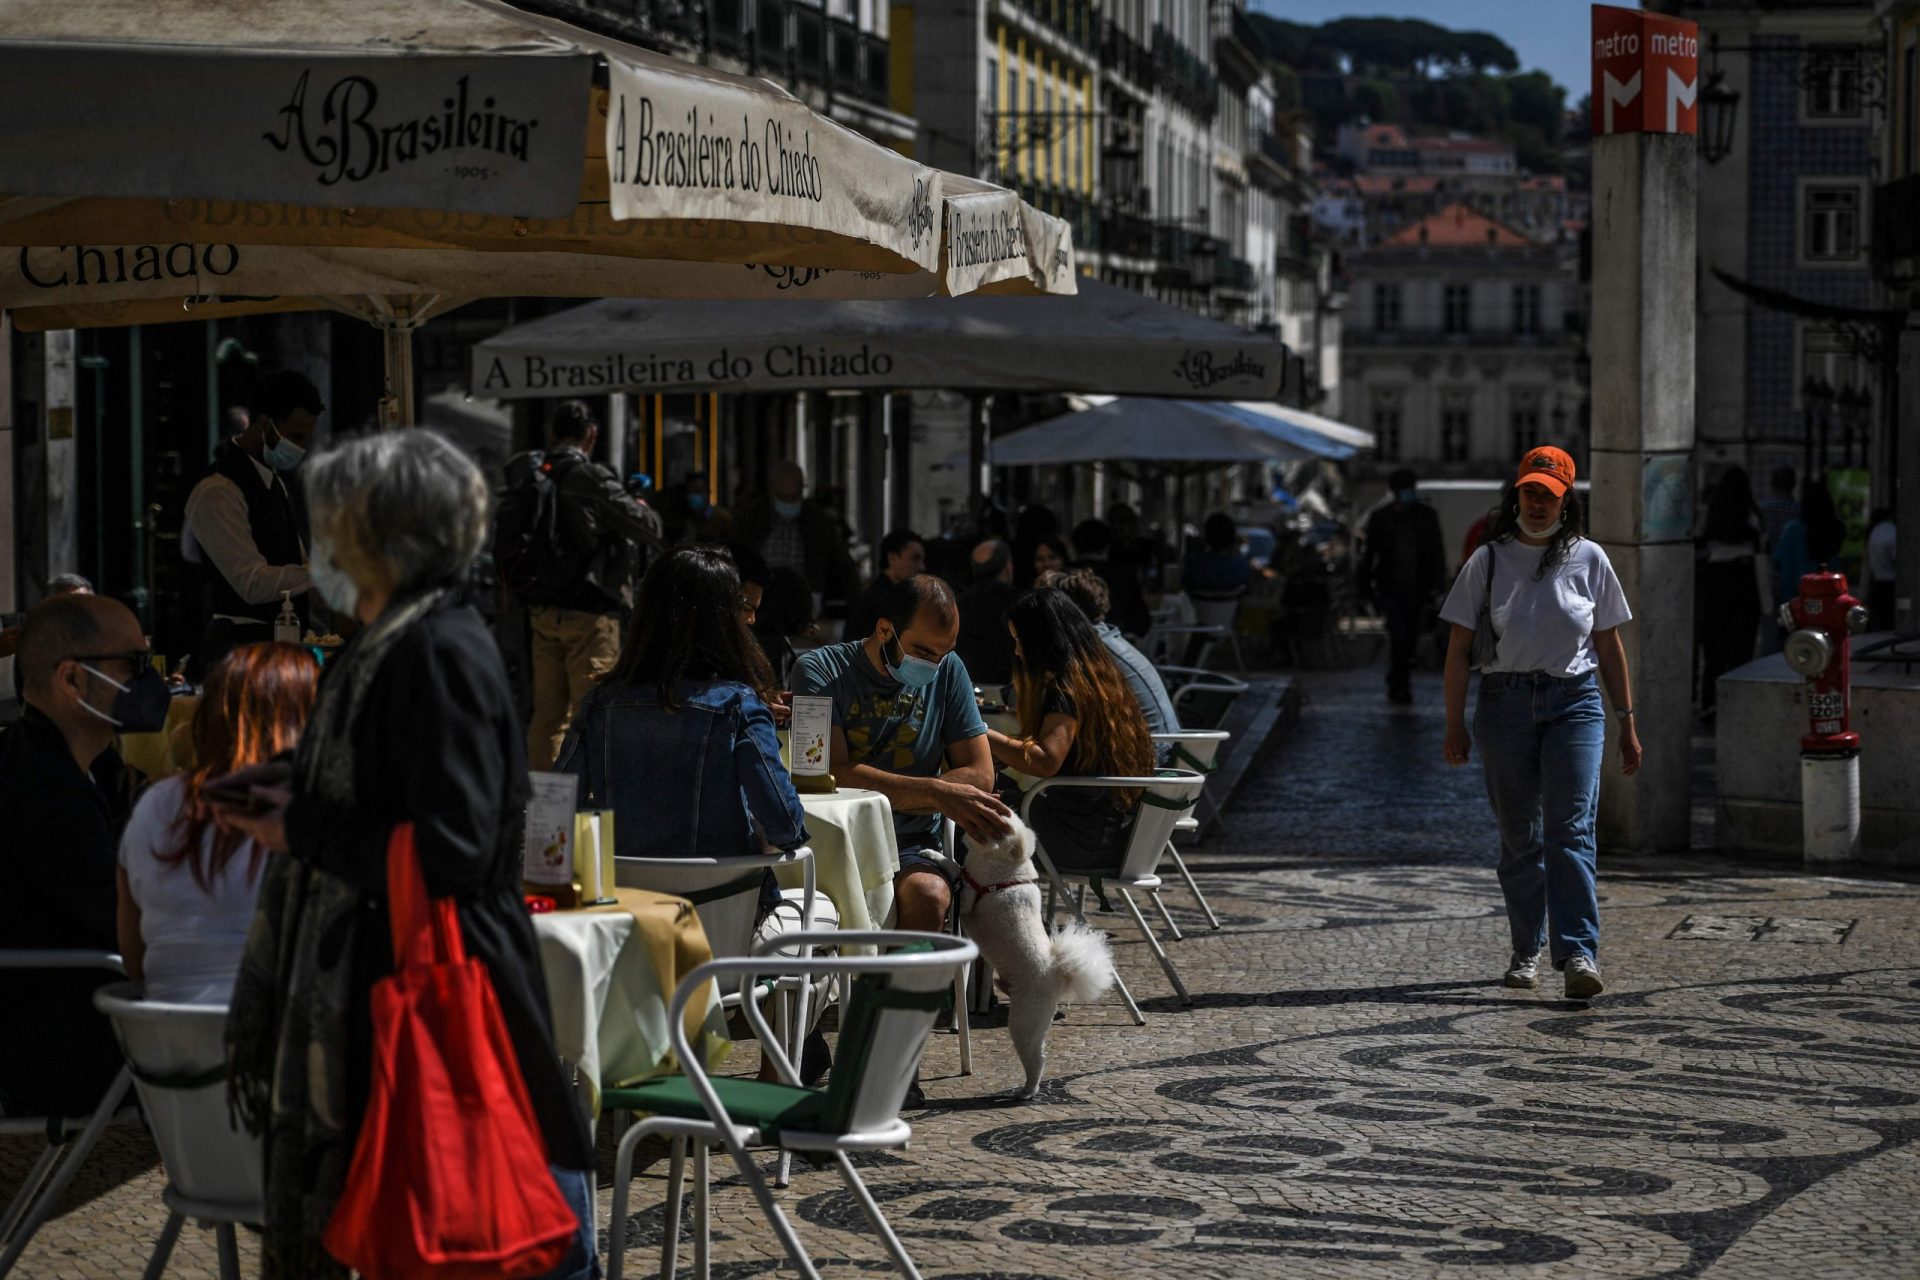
(243, 526)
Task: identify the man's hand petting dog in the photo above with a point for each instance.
(978, 813)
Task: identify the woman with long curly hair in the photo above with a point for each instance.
(187, 884)
(1556, 609)
(1077, 719)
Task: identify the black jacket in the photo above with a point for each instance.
(609, 526)
(439, 743)
(279, 528)
(57, 889)
(1404, 557)
(985, 645)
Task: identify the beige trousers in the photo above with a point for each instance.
(571, 650)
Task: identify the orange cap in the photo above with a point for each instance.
(1547, 467)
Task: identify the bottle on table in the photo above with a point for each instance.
(286, 627)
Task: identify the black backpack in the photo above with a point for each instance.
(530, 544)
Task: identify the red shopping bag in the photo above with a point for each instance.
(449, 1178)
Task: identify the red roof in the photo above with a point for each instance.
(1382, 184)
(1458, 227)
(1385, 136)
(1481, 145)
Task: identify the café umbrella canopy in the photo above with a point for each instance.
(395, 159)
(1168, 437)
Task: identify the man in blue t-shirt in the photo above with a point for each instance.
(905, 724)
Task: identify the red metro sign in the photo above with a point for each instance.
(1646, 72)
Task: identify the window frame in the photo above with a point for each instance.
(1804, 221)
(1844, 58)
(1449, 294)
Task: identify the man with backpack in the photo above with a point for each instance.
(569, 541)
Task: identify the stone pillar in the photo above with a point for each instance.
(1906, 604)
(1644, 209)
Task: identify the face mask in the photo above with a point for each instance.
(912, 672)
(697, 504)
(786, 510)
(283, 454)
(140, 707)
(1545, 532)
(331, 581)
(1405, 496)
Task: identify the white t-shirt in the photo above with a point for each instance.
(194, 936)
(1544, 625)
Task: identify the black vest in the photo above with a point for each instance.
(276, 529)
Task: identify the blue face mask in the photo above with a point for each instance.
(1406, 496)
(283, 454)
(786, 510)
(331, 581)
(911, 672)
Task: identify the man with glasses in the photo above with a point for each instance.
(66, 794)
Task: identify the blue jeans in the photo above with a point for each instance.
(583, 1259)
(1541, 738)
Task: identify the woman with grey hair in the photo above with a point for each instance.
(414, 722)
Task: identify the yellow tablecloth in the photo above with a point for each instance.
(855, 855)
(610, 973)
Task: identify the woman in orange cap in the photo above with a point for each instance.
(1555, 609)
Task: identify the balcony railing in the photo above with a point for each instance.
(791, 39)
(1122, 53)
(1126, 235)
(1185, 74)
(1074, 19)
(1237, 275)
(1278, 151)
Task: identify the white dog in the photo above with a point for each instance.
(1000, 902)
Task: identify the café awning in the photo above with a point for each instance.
(1102, 339)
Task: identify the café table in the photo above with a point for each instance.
(855, 855)
(610, 972)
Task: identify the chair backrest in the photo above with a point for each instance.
(725, 893)
(1196, 749)
(1161, 806)
(178, 1056)
(1216, 613)
(1204, 703)
(885, 1020)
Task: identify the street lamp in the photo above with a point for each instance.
(1814, 69)
(1719, 103)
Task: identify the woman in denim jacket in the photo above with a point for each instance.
(677, 739)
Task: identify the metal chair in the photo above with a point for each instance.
(1201, 698)
(725, 893)
(178, 1056)
(69, 1139)
(1164, 798)
(1197, 750)
(886, 1017)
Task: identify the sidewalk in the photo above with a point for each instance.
(1354, 1094)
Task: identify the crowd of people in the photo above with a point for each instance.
(649, 686)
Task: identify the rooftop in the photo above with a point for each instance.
(1458, 227)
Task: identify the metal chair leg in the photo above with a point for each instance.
(1153, 944)
(1180, 865)
(676, 1192)
(229, 1251)
(1173, 930)
(163, 1248)
(29, 1191)
(702, 1211)
(49, 1197)
(878, 1220)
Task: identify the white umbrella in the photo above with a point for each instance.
(1311, 434)
(1170, 435)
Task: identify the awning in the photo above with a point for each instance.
(1103, 339)
(1317, 436)
(455, 124)
(1170, 433)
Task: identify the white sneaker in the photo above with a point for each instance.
(1583, 979)
(1523, 971)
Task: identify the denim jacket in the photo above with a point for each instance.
(695, 782)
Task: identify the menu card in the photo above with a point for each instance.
(812, 729)
(593, 845)
(547, 855)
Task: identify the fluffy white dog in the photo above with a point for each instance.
(1000, 902)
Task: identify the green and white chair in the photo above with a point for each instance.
(1201, 698)
(69, 1138)
(215, 1170)
(725, 893)
(1198, 750)
(886, 1014)
(1164, 799)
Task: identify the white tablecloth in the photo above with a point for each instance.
(609, 976)
(855, 855)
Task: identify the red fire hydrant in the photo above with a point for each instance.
(1821, 620)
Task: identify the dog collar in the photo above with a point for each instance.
(984, 889)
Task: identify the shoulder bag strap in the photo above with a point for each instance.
(425, 932)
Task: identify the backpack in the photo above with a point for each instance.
(530, 544)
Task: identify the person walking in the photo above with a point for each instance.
(243, 525)
(414, 723)
(584, 574)
(1402, 568)
(1556, 609)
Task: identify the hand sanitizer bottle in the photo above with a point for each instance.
(286, 627)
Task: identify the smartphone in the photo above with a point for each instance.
(258, 788)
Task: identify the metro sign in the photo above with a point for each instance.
(1646, 72)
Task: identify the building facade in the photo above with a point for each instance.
(1461, 346)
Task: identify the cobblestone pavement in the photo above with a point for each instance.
(1354, 1094)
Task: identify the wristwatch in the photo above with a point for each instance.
(1625, 713)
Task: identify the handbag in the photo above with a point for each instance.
(449, 1179)
(1486, 641)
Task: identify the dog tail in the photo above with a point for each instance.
(1082, 963)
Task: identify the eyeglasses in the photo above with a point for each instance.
(137, 657)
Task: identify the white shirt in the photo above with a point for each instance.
(1546, 625)
(194, 936)
(1881, 545)
(216, 529)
